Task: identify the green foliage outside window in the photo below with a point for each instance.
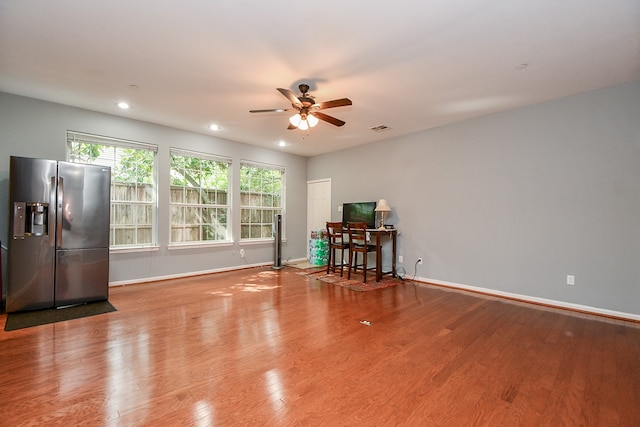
(135, 166)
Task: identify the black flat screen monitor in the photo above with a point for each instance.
(359, 212)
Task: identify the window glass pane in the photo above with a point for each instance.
(208, 215)
(244, 231)
(267, 217)
(244, 216)
(255, 216)
(177, 194)
(177, 215)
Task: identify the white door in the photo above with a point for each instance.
(318, 206)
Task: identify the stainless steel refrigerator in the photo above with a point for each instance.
(58, 249)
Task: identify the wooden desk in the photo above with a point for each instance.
(393, 233)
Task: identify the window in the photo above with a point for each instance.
(261, 199)
(133, 185)
(199, 197)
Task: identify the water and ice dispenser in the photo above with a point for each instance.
(30, 219)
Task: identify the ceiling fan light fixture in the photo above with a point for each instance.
(306, 106)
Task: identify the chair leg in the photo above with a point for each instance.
(364, 266)
(329, 261)
(353, 264)
(349, 269)
(341, 261)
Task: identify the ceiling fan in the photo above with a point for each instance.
(307, 110)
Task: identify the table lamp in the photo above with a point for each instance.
(382, 207)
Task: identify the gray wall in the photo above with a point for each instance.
(511, 202)
(34, 128)
(514, 202)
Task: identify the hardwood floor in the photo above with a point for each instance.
(264, 347)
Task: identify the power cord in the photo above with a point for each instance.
(402, 274)
(415, 268)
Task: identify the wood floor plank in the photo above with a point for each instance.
(266, 347)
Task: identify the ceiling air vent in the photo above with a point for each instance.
(380, 128)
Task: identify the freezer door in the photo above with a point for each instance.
(30, 179)
(82, 275)
(83, 206)
(30, 257)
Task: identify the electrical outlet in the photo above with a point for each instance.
(420, 261)
(400, 259)
(571, 280)
(242, 253)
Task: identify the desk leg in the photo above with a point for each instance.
(393, 260)
(378, 258)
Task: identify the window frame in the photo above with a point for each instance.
(228, 206)
(116, 143)
(279, 209)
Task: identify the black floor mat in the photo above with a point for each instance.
(27, 319)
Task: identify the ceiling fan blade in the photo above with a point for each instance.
(328, 119)
(272, 110)
(291, 97)
(342, 102)
(290, 127)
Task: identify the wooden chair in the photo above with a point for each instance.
(336, 243)
(358, 244)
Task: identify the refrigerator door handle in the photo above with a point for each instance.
(52, 212)
(60, 209)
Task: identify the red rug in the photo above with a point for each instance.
(356, 283)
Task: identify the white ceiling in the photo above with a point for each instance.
(409, 65)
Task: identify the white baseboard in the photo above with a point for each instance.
(199, 273)
(425, 280)
(533, 300)
(189, 274)
(293, 261)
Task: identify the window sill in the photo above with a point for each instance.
(134, 249)
(194, 245)
(258, 241)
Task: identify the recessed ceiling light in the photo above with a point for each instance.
(281, 144)
(123, 105)
(214, 127)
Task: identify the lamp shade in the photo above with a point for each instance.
(312, 120)
(295, 120)
(383, 206)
